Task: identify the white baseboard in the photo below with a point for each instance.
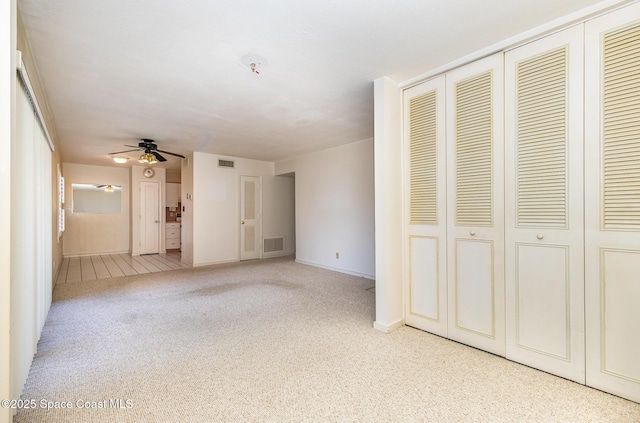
(388, 328)
(97, 253)
(336, 269)
(209, 263)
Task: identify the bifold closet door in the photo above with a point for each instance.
(544, 225)
(612, 169)
(475, 204)
(425, 219)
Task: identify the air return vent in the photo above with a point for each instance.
(272, 245)
(226, 163)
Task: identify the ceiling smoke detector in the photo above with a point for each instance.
(254, 62)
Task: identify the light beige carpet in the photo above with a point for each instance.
(274, 341)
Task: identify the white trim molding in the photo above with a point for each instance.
(336, 269)
(24, 76)
(388, 328)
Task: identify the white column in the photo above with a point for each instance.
(388, 204)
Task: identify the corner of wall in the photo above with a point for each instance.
(388, 328)
(388, 202)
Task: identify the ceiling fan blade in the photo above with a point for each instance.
(132, 146)
(126, 151)
(173, 154)
(159, 157)
(100, 186)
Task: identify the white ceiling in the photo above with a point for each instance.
(119, 70)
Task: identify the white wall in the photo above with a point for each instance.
(8, 26)
(216, 206)
(334, 197)
(95, 233)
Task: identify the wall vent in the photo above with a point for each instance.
(272, 245)
(226, 163)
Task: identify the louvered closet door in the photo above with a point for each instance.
(425, 218)
(475, 204)
(544, 247)
(612, 169)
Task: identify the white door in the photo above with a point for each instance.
(612, 169)
(426, 218)
(475, 204)
(149, 217)
(250, 217)
(544, 246)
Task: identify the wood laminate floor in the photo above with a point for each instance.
(79, 269)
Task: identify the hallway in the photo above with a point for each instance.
(80, 269)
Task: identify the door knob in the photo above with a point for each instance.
(242, 222)
(539, 236)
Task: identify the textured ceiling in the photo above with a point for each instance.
(116, 71)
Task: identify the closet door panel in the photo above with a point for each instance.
(425, 205)
(474, 287)
(475, 232)
(423, 277)
(544, 247)
(621, 293)
(541, 299)
(612, 171)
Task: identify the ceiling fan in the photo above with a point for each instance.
(151, 153)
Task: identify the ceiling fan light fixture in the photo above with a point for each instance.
(147, 158)
(109, 188)
(120, 159)
(254, 62)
